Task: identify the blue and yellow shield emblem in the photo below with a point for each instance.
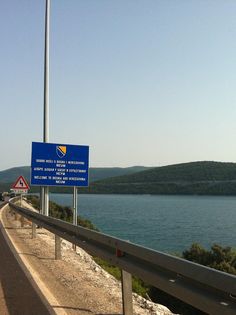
(61, 151)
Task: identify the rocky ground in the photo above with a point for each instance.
(75, 284)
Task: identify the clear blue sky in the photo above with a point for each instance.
(141, 82)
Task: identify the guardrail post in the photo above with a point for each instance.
(57, 247)
(33, 230)
(127, 299)
(22, 221)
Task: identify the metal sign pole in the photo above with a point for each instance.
(41, 210)
(74, 211)
(75, 206)
(21, 200)
(22, 220)
(45, 197)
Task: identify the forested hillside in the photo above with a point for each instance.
(195, 178)
(206, 178)
(9, 176)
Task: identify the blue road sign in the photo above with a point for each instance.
(59, 164)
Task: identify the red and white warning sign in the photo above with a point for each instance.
(20, 186)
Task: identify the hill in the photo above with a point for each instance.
(185, 172)
(194, 178)
(99, 173)
(210, 178)
(9, 176)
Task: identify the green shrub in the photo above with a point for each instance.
(218, 257)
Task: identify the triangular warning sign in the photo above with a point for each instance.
(21, 183)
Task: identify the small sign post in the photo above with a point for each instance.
(20, 187)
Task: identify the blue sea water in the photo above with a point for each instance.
(165, 223)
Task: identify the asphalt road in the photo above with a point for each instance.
(17, 294)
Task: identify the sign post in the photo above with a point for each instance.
(60, 165)
(20, 187)
(75, 200)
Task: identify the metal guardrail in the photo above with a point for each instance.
(207, 289)
(2, 204)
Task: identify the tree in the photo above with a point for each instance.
(218, 257)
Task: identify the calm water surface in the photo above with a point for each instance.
(165, 223)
